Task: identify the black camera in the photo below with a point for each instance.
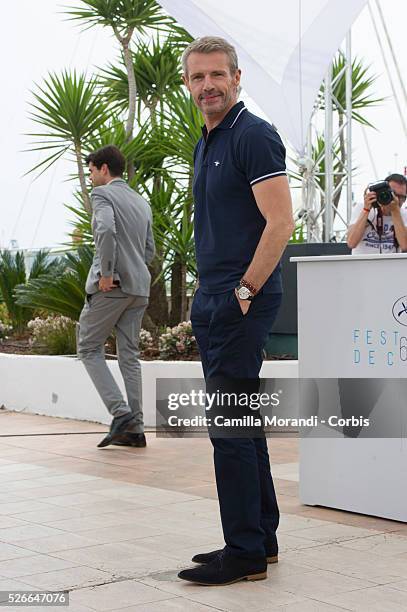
(383, 191)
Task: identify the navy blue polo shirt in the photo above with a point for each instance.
(238, 153)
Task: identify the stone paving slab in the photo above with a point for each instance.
(114, 527)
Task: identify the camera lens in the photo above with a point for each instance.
(385, 197)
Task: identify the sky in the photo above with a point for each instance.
(36, 38)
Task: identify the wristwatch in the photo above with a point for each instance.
(245, 290)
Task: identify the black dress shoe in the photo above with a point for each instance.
(117, 427)
(203, 558)
(225, 569)
(137, 440)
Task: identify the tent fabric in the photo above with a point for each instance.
(284, 49)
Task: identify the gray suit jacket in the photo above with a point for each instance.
(124, 243)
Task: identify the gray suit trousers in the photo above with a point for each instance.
(101, 314)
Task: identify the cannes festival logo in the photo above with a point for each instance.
(400, 310)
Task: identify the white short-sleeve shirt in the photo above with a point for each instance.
(370, 242)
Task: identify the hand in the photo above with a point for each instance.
(244, 304)
(369, 199)
(106, 283)
(393, 207)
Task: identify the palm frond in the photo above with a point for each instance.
(120, 14)
(59, 294)
(69, 108)
(156, 69)
(362, 84)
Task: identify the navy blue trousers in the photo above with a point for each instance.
(231, 346)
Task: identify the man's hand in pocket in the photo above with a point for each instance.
(244, 304)
(106, 283)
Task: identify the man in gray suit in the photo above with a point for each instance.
(117, 291)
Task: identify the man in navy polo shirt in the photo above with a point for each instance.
(243, 220)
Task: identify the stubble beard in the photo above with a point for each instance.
(226, 100)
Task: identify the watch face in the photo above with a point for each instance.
(243, 293)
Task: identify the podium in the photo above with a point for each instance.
(352, 323)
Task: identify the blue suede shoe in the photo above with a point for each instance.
(226, 569)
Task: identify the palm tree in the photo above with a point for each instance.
(160, 93)
(124, 17)
(13, 273)
(156, 67)
(70, 109)
(177, 242)
(173, 232)
(183, 123)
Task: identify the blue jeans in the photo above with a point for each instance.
(231, 346)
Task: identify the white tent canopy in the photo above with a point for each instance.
(284, 49)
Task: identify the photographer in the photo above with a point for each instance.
(377, 227)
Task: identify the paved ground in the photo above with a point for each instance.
(114, 526)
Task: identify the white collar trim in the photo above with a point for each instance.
(237, 116)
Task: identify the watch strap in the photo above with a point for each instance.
(249, 286)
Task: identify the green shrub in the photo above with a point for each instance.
(13, 274)
(53, 335)
(62, 293)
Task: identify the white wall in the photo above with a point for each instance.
(60, 386)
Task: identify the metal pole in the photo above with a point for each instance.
(308, 200)
(393, 89)
(328, 212)
(389, 42)
(348, 127)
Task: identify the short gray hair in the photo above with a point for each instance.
(211, 44)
